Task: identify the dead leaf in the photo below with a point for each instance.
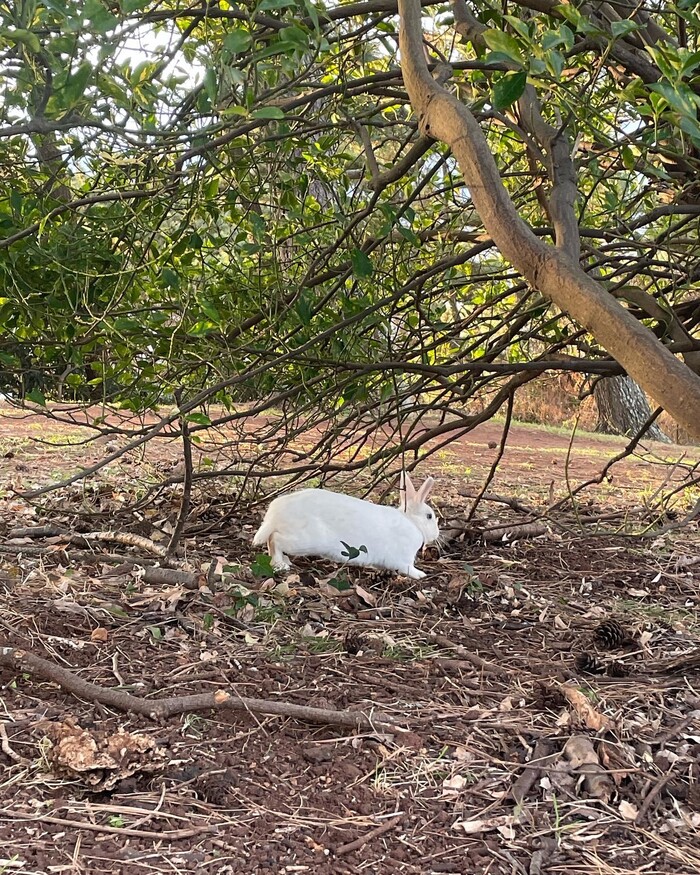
(583, 759)
(473, 827)
(366, 597)
(586, 713)
(452, 787)
(99, 635)
(628, 811)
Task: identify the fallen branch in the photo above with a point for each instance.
(161, 709)
(47, 531)
(76, 555)
(129, 539)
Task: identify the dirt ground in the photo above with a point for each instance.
(531, 706)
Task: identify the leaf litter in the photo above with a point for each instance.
(509, 755)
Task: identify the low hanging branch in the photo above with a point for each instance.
(161, 709)
(441, 115)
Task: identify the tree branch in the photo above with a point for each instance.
(440, 114)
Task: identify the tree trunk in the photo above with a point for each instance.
(623, 408)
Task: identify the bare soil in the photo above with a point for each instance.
(526, 738)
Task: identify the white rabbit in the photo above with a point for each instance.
(318, 522)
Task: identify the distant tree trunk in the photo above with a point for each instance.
(623, 408)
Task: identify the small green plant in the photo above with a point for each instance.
(156, 633)
(352, 552)
(116, 820)
(208, 621)
(474, 587)
(193, 724)
(340, 582)
(319, 644)
(262, 566)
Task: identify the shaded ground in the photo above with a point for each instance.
(533, 740)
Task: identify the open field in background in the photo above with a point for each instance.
(533, 705)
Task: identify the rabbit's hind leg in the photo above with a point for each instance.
(277, 557)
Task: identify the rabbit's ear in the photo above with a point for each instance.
(426, 489)
(407, 486)
(407, 490)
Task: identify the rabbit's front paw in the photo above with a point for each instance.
(416, 573)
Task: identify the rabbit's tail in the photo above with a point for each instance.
(263, 533)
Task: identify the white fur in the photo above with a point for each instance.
(315, 522)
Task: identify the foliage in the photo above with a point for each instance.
(233, 202)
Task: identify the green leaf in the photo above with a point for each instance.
(498, 41)
(77, 83)
(170, 278)
(101, 18)
(127, 324)
(362, 267)
(24, 37)
(198, 418)
(352, 552)
(690, 63)
(272, 112)
(210, 310)
(508, 89)
(628, 158)
(622, 28)
(37, 396)
(409, 234)
(237, 41)
(133, 5)
(262, 566)
(211, 85)
(295, 36)
(303, 310)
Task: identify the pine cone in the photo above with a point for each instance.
(589, 664)
(617, 670)
(610, 635)
(354, 643)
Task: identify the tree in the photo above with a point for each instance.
(624, 409)
(239, 204)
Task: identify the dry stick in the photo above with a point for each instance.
(532, 770)
(170, 577)
(5, 745)
(128, 538)
(187, 482)
(372, 834)
(47, 531)
(651, 795)
(115, 830)
(159, 709)
(496, 461)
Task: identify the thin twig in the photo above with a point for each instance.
(372, 834)
(187, 482)
(499, 456)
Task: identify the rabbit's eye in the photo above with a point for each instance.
(429, 515)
